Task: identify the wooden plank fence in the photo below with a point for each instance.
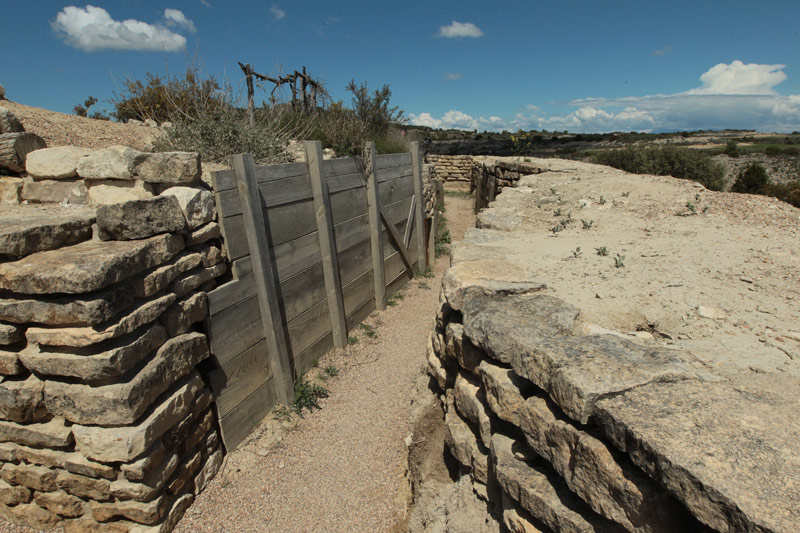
(315, 248)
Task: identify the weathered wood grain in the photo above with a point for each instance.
(376, 242)
(226, 179)
(416, 167)
(238, 424)
(237, 379)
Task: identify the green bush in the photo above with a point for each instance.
(666, 161)
(751, 180)
(374, 109)
(342, 130)
(731, 149)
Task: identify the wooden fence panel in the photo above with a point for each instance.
(302, 221)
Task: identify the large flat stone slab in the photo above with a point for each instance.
(728, 450)
(88, 266)
(88, 310)
(54, 163)
(28, 229)
(139, 219)
(123, 403)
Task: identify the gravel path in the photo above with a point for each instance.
(340, 468)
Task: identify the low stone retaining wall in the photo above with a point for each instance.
(105, 421)
(560, 430)
(451, 167)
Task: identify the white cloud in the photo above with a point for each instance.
(663, 51)
(425, 119)
(277, 12)
(460, 29)
(452, 76)
(175, 17)
(458, 120)
(741, 78)
(92, 28)
(205, 4)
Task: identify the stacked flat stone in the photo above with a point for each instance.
(452, 167)
(429, 184)
(563, 431)
(81, 176)
(105, 421)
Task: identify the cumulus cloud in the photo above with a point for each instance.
(460, 29)
(452, 76)
(458, 120)
(175, 17)
(91, 29)
(741, 78)
(277, 12)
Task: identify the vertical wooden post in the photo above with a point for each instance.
(434, 228)
(416, 167)
(327, 243)
(375, 227)
(265, 277)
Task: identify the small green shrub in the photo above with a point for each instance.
(752, 180)
(331, 371)
(307, 395)
(731, 149)
(368, 330)
(602, 250)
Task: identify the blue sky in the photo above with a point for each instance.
(574, 65)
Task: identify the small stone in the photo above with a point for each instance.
(144, 313)
(123, 403)
(705, 311)
(10, 364)
(86, 267)
(123, 444)
(462, 443)
(21, 400)
(205, 233)
(13, 494)
(107, 192)
(184, 313)
(34, 477)
(10, 334)
(150, 122)
(60, 503)
(10, 190)
(139, 219)
(197, 277)
(84, 487)
(31, 515)
(78, 464)
(209, 470)
(149, 487)
(196, 203)
(747, 280)
(469, 401)
(159, 278)
(142, 466)
(9, 123)
(185, 474)
(55, 163)
(142, 513)
(52, 434)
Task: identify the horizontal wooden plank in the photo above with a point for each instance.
(305, 360)
(351, 232)
(388, 174)
(340, 166)
(297, 255)
(234, 329)
(286, 222)
(226, 179)
(345, 182)
(272, 193)
(394, 190)
(358, 291)
(308, 327)
(348, 204)
(231, 293)
(397, 283)
(354, 261)
(241, 421)
(392, 160)
(234, 381)
(302, 291)
(360, 313)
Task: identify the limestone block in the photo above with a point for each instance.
(107, 192)
(114, 162)
(28, 229)
(514, 519)
(86, 267)
(167, 167)
(84, 487)
(123, 403)
(212, 254)
(157, 279)
(184, 313)
(196, 203)
(124, 444)
(504, 391)
(10, 190)
(199, 432)
(151, 486)
(31, 476)
(55, 191)
(8, 452)
(31, 515)
(463, 445)
(462, 350)
(195, 278)
(139, 219)
(55, 163)
(204, 233)
(436, 369)
(88, 310)
(14, 494)
(113, 361)
(60, 503)
(142, 513)
(469, 401)
(52, 434)
(78, 464)
(21, 400)
(142, 466)
(10, 334)
(542, 493)
(209, 470)
(176, 509)
(467, 280)
(144, 313)
(185, 474)
(10, 364)
(9, 123)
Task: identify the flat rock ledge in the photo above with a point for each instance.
(597, 432)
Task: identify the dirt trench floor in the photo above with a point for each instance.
(340, 468)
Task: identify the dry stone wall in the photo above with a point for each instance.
(106, 423)
(564, 431)
(451, 167)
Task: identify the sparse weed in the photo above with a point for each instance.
(423, 285)
(427, 273)
(576, 253)
(557, 212)
(691, 207)
(307, 395)
(315, 363)
(602, 250)
(368, 330)
(602, 200)
(565, 222)
(331, 371)
(626, 194)
(706, 209)
(619, 261)
(553, 191)
(352, 339)
(587, 224)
